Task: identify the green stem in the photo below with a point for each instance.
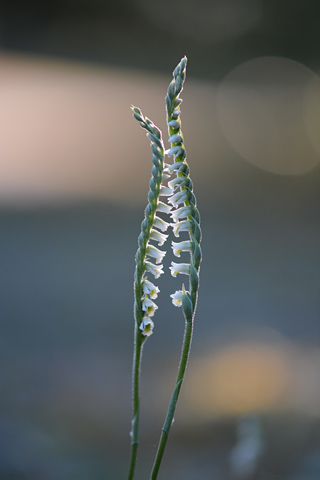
(174, 398)
(136, 400)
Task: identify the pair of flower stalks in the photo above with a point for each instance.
(177, 200)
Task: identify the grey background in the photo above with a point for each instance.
(66, 269)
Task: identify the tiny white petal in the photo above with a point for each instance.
(165, 191)
(150, 289)
(146, 326)
(177, 182)
(149, 306)
(158, 237)
(184, 226)
(146, 302)
(165, 176)
(163, 207)
(177, 298)
(177, 198)
(183, 268)
(154, 252)
(181, 247)
(173, 167)
(161, 224)
(180, 213)
(156, 270)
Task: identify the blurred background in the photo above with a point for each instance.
(74, 172)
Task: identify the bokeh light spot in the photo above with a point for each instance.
(238, 379)
(263, 105)
(311, 110)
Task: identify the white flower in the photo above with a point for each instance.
(179, 197)
(181, 247)
(163, 207)
(156, 270)
(165, 191)
(165, 176)
(158, 237)
(174, 166)
(183, 268)
(177, 182)
(161, 224)
(177, 298)
(184, 226)
(180, 213)
(149, 306)
(146, 326)
(154, 252)
(150, 289)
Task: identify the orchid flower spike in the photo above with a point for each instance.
(149, 257)
(174, 198)
(183, 200)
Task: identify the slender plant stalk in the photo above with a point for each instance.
(138, 347)
(144, 290)
(174, 398)
(188, 300)
(185, 218)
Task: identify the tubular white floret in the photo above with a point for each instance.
(163, 208)
(181, 247)
(183, 268)
(149, 306)
(177, 298)
(155, 270)
(165, 191)
(146, 326)
(161, 224)
(180, 213)
(173, 167)
(178, 182)
(177, 198)
(150, 289)
(154, 252)
(184, 226)
(158, 237)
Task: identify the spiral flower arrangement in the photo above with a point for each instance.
(179, 202)
(186, 217)
(146, 291)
